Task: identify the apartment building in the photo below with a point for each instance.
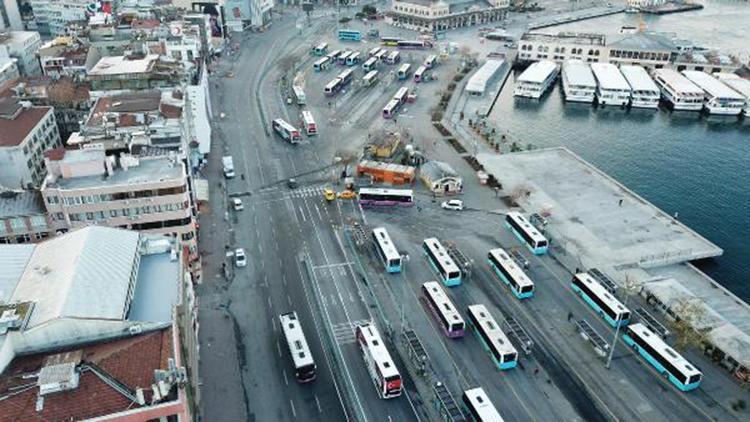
(135, 72)
(26, 132)
(151, 194)
(52, 17)
(23, 218)
(22, 46)
(440, 15)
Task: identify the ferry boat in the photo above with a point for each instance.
(682, 94)
(742, 86)
(645, 93)
(612, 88)
(718, 98)
(578, 82)
(536, 79)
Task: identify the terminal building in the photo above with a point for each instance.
(533, 47)
(441, 15)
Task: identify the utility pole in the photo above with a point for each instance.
(628, 288)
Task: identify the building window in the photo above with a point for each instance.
(23, 238)
(99, 215)
(38, 222)
(125, 212)
(53, 199)
(17, 224)
(113, 213)
(89, 216)
(59, 216)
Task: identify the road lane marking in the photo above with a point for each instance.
(317, 403)
(270, 307)
(328, 266)
(320, 216)
(289, 299)
(273, 324)
(286, 379)
(303, 214)
(294, 412)
(278, 348)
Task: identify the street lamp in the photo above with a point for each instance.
(629, 289)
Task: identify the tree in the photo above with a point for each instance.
(369, 10)
(345, 19)
(689, 315)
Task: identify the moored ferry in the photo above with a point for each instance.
(578, 81)
(612, 88)
(536, 79)
(718, 98)
(676, 89)
(645, 93)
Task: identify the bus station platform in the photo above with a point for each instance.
(592, 216)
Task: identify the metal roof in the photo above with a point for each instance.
(83, 274)
(436, 170)
(735, 82)
(13, 260)
(677, 82)
(711, 85)
(578, 73)
(156, 289)
(638, 78)
(478, 81)
(537, 72)
(21, 202)
(609, 77)
(644, 41)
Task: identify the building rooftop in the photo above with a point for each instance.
(156, 292)
(479, 80)
(14, 203)
(17, 121)
(638, 78)
(122, 65)
(609, 77)
(648, 41)
(13, 261)
(436, 170)
(580, 38)
(578, 73)
(129, 364)
(147, 170)
(130, 103)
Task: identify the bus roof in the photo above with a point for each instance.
(531, 230)
(307, 116)
(441, 299)
(482, 405)
(382, 191)
(371, 74)
(322, 60)
(421, 69)
(515, 271)
(660, 346)
(385, 242)
(295, 338)
(437, 248)
(404, 67)
(602, 292)
(333, 83)
(497, 337)
(345, 73)
(378, 350)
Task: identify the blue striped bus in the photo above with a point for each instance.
(441, 262)
(350, 35)
(443, 309)
(510, 273)
(606, 305)
(670, 364)
(386, 250)
(526, 233)
(501, 351)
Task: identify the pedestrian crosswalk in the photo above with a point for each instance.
(344, 332)
(307, 192)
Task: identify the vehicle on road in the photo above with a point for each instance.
(321, 49)
(333, 87)
(501, 351)
(453, 205)
(370, 64)
(329, 194)
(441, 262)
(237, 204)
(310, 127)
(350, 35)
(386, 197)
(393, 57)
(302, 360)
(386, 250)
(668, 362)
(510, 273)
(370, 78)
(600, 300)
(403, 71)
(413, 44)
(227, 165)
(392, 41)
(422, 74)
(299, 95)
(322, 64)
(443, 309)
(353, 59)
(347, 194)
(240, 260)
(431, 61)
(479, 406)
(526, 233)
(378, 361)
(292, 183)
(286, 131)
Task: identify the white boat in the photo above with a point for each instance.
(578, 82)
(536, 79)
(742, 86)
(678, 90)
(718, 98)
(612, 88)
(644, 92)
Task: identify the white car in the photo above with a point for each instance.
(240, 259)
(453, 205)
(237, 203)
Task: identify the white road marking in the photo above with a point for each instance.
(286, 378)
(328, 266)
(317, 403)
(303, 214)
(278, 348)
(294, 412)
(320, 217)
(273, 324)
(269, 303)
(289, 299)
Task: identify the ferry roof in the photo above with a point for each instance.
(738, 84)
(609, 77)
(711, 85)
(638, 78)
(578, 73)
(538, 71)
(677, 82)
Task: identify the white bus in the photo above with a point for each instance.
(286, 131)
(346, 76)
(299, 95)
(526, 233)
(441, 262)
(510, 273)
(422, 74)
(370, 64)
(404, 70)
(391, 109)
(668, 362)
(341, 59)
(379, 364)
(443, 309)
(322, 64)
(321, 49)
(479, 406)
(379, 196)
(310, 127)
(606, 305)
(304, 365)
(401, 95)
(333, 55)
(370, 78)
(333, 87)
(393, 57)
(386, 250)
(353, 59)
(431, 61)
(374, 51)
(502, 352)
(381, 54)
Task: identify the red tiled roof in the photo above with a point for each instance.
(170, 111)
(13, 131)
(130, 361)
